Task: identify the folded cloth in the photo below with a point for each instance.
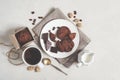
(57, 14)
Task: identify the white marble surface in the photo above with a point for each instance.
(101, 22)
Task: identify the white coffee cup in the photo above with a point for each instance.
(32, 56)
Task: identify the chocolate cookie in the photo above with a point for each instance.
(65, 45)
(62, 32)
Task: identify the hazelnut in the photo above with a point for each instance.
(76, 20)
(70, 15)
(30, 68)
(37, 69)
(78, 25)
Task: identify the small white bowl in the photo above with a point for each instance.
(85, 57)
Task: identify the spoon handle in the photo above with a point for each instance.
(59, 69)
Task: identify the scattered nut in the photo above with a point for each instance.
(70, 15)
(78, 24)
(37, 69)
(30, 68)
(76, 20)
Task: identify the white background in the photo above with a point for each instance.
(101, 23)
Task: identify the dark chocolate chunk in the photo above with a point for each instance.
(52, 36)
(45, 37)
(53, 28)
(54, 49)
(47, 45)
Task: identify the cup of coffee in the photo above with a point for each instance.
(32, 56)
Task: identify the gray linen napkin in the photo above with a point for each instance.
(57, 14)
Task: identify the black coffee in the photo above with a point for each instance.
(32, 56)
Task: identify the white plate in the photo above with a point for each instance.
(56, 23)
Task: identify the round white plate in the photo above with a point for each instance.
(58, 23)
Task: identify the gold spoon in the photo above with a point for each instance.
(47, 61)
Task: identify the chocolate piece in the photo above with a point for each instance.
(54, 49)
(53, 28)
(46, 41)
(47, 45)
(52, 36)
(45, 37)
